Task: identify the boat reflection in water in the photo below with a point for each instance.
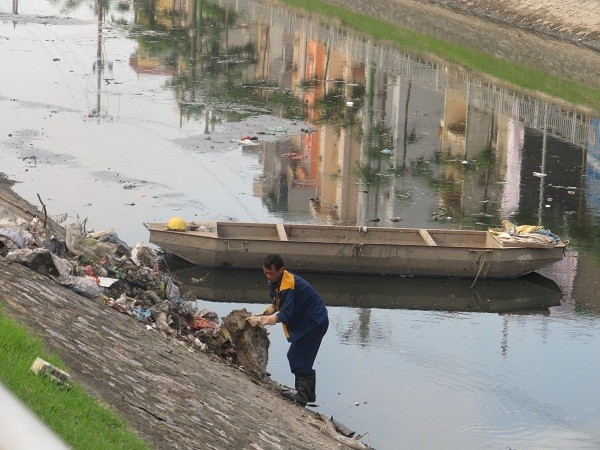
(532, 293)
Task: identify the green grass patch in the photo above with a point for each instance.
(72, 414)
(423, 45)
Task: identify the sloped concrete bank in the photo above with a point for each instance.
(559, 37)
(171, 396)
(572, 20)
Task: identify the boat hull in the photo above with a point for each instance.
(356, 250)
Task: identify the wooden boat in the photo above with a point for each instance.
(360, 250)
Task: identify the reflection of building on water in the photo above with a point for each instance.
(457, 146)
(288, 184)
(515, 139)
(407, 97)
(302, 65)
(592, 188)
(532, 162)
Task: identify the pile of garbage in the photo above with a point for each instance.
(105, 269)
(129, 280)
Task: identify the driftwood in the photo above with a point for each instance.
(326, 425)
(44, 211)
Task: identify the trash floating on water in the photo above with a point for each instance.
(251, 343)
(276, 129)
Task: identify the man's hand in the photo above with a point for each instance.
(262, 320)
(254, 320)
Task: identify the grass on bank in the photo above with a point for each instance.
(424, 45)
(72, 414)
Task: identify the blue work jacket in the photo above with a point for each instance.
(299, 306)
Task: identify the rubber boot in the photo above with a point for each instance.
(312, 394)
(301, 395)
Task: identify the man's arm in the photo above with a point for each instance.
(263, 320)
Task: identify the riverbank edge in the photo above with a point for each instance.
(511, 14)
(170, 396)
(562, 65)
(478, 13)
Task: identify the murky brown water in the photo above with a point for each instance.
(140, 119)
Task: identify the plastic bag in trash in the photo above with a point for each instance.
(82, 285)
(143, 256)
(38, 259)
(13, 237)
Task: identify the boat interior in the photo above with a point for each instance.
(352, 235)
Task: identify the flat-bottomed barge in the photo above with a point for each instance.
(360, 250)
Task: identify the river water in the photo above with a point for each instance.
(136, 112)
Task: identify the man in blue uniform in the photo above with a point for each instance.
(300, 309)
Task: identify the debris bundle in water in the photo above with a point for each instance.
(251, 343)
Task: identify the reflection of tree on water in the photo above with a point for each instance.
(100, 64)
(405, 134)
(333, 107)
(376, 169)
(102, 9)
(486, 162)
(448, 176)
(364, 330)
(209, 67)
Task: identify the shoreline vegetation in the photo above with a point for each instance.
(519, 75)
(71, 413)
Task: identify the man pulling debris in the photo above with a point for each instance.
(300, 309)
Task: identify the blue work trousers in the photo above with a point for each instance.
(303, 352)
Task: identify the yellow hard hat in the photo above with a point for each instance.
(176, 224)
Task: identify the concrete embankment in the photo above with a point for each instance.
(559, 37)
(171, 396)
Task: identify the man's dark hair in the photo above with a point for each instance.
(273, 260)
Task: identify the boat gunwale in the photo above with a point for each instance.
(212, 234)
